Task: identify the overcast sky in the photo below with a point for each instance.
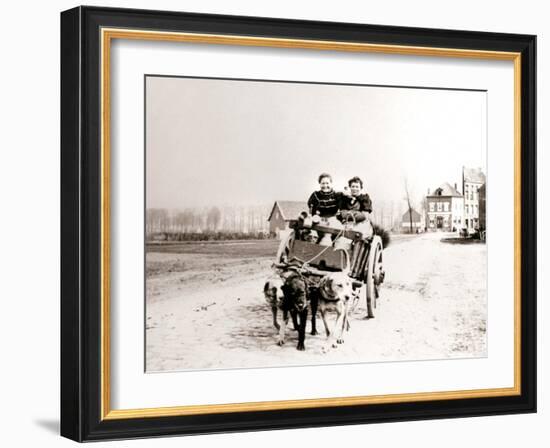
(227, 142)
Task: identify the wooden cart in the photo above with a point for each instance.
(360, 257)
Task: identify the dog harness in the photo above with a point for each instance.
(328, 297)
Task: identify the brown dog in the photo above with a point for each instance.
(290, 295)
(273, 293)
(335, 291)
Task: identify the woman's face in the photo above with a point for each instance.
(355, 188)
(325, 184)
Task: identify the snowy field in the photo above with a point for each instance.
(205, 307)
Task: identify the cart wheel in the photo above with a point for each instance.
(284, 248)
(374, 274)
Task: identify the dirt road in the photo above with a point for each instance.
(205, 308)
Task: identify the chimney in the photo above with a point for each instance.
(455, 186)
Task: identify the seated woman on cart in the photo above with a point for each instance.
(355, 207)
(324, 203)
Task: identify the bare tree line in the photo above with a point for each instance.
(207, 219)
(251, 219)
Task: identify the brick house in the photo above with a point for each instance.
(445, 209)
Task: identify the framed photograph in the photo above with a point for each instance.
(272, 223)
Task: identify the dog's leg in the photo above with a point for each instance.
(328, 343)
(282, 329)
(347, 310)
(325, 323)
(335, 336)
(295, 323)
(340, 323)
(314, 305)
(302, 330)
(274, 312)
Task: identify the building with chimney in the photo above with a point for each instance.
(445, 209)
(472, 181)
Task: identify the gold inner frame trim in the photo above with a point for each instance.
(107, 35)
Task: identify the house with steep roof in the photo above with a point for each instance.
(472, 181)
(411, 220)
(282, 212)
(445, 209)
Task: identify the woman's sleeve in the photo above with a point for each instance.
(340, 200)
(366, 204)
(312, 203)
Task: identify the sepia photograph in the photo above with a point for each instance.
(302, 223)
(282, 221)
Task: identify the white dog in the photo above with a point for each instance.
(334, 293)
(273, 293)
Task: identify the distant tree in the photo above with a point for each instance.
(163, 219)
(149, 221)
(157, 219)
(187, 219)
(197, 221)
(213, 218)
(179, 221)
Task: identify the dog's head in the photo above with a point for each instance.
(273, 292)
(295, 291)
(311, 237)
(336, 286)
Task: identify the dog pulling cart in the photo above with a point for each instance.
(348, 250)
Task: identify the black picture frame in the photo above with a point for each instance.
(81, 381)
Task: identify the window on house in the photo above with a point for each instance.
(432, 206)
(446, 206)
(439, 206)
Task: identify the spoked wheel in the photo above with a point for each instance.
(374, 275)
(284, 248)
